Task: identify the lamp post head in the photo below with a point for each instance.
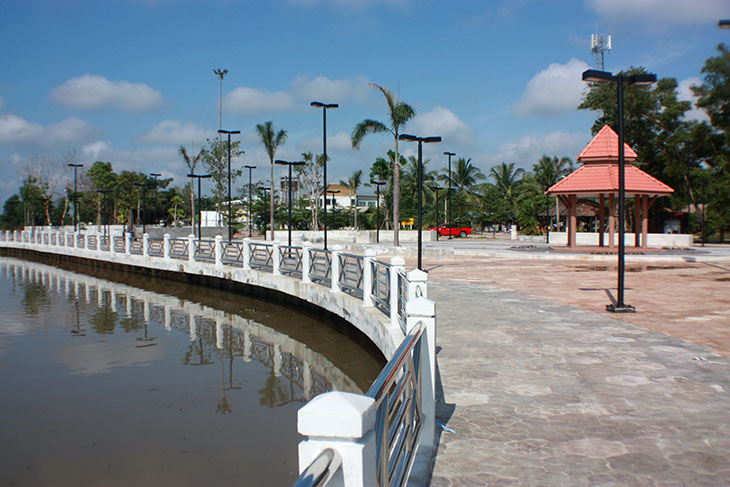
(220, 72)
(408, 137)
(229, 132)
(155, 174)
(432, 139)
(319, 104)
(449, 153)
(596, 76)
(71, 164)
(250, 167)
(377, 183)
(724, 24)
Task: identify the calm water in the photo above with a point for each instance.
(115, 379)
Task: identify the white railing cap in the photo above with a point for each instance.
(421, 307)
(370, 253)
(337, 415)
(417, 275)
(397, 260)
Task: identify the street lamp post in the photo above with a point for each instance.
(265, 189)
(436, 190)
(76, 200)
(144, 187)
(324, 107)
(333, 192)
(250, 233)
(288, 185)
(200, 213)
(220, 73)
(230, 213)
(420, 140)
(448, 194)
(595, 76)
(103, 192)
(155, 175)
(377, 184)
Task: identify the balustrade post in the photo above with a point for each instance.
(335, 264)
(417, 285)
(396, 264)
(218, 251)
(146, 245)
(367, 277)
(275, 257)
(306, 261)
(344, 422)
(127, 243)
(191, 248)
(166, 246)
(246, 254)
(423, 310)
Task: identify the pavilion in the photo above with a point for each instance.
(598, 178)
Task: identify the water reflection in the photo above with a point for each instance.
(89, 362)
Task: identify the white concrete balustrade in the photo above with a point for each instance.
(387, 305)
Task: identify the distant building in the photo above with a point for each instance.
(284, 189)
(346, 198)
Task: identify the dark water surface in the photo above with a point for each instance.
(135, 381)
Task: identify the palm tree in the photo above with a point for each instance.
(271, 140)
(191, 163)
(352, 184)
(400, 114)
(465, 175)
(507, 180)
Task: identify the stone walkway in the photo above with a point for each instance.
(538, 393)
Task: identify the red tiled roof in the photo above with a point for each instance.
(604, 148)
(603, 178)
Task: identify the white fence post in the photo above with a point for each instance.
(367, 277)
(127, 243)
(344, 422)
(424, 310)
(146, 245)
(166, 246)
(191, 248)
(275, 257)
(396, 264)
(335, 274)
(417, 287)
(246, 254)
(218, 251)
(306, 261)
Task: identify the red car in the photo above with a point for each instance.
(445, 231)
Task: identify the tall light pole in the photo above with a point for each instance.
(595, 76)
(250, 233)
(200, 213)
(420, 140)
(436, 190)
(448, 194)
(265, 189)
(221, 74)
(76, 201)
(230, 213)
(377, 184)
(144, 187)
(324, 107)
(288, 185)
(333, 192)
(155, 175)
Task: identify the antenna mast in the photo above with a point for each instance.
(599, 45)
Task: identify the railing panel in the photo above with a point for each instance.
(402, 298)
(320, 266)
(290, 261)
(70, 240)
(54, 239)
(104, 243)
(232, 253)
(351, 274)
(204, 250)
(135, 246)
(81, 241)
(381, 286)
(262, 257)
(179, 248)
(156, 247)
(45, 239)
(91, 242)
(119, 244)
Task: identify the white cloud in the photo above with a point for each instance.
(174, 132)
(18, 131)
(329, 90)
(335, 142)
(661, 13)
(526, 150)
(72, 130)
(556, 89)
(91, 92)
(442, 122)
(251, 100)
(685, 93)
(94, 150)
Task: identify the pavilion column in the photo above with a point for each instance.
(638, 240)
(601, 218)
(611, 220)
(572, 211)
(644, 219)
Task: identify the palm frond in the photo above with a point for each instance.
(366, 127)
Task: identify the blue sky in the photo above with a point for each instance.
(130, 81)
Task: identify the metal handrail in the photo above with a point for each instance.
(320, 266)
(399, 419)
(402, 298)
(321, 470)
(351, 274)
(156, 247)
(290, 261)
(179, 248)
(262, 256)
(232, 253)
(205, 250)
(380, 290)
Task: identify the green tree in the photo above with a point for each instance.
(191, 163)
(271, 139)
(714, 92)
(104, 179)
(311, 174)
(12, 217)
(399, 113)
(353, 183)
(507, 181)
(215, 161)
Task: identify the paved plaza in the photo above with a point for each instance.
(541, 387)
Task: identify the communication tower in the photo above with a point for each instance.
(599, 45)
